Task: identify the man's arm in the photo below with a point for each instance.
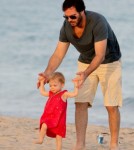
(100, 50)
(57, 57)
(54, 61)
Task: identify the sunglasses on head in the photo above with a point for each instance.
(71, 17)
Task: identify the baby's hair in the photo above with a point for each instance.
(59, 76)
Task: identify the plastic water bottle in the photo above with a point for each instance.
(100, 138)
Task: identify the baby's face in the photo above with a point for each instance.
(55, 86)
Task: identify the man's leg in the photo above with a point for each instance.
(114, 125)
(81, 120)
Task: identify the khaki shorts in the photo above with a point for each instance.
(109, 77)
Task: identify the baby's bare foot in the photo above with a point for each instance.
(38, 142)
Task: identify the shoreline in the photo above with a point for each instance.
(19, 133)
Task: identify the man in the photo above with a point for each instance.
(99, 62)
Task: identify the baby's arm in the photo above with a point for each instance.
(73, 93)
(42, 89)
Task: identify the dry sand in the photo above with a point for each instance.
(19, 134)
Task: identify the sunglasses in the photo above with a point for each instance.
(71, 17)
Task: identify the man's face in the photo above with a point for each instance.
(72, 16)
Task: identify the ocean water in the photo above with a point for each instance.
(29, 32)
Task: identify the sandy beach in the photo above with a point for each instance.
(19, 134)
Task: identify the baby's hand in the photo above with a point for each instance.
(75, 81)
(42, 81)
(40, 78)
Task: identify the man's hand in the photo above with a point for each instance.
(81, 77)
(42, 76)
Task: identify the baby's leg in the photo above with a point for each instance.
(42, 134)
(58, 142)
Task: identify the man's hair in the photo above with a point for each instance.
(59, 76)
(78, 4)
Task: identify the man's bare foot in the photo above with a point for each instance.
(79, 148)
(114, 148)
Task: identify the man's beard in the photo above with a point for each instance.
(78, 23)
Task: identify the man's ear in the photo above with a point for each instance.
(82, 12)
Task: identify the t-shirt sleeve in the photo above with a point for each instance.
(100, 30)
(63, 36)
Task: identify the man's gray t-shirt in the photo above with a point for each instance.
(96, 29)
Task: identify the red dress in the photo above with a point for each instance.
(54, 115)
